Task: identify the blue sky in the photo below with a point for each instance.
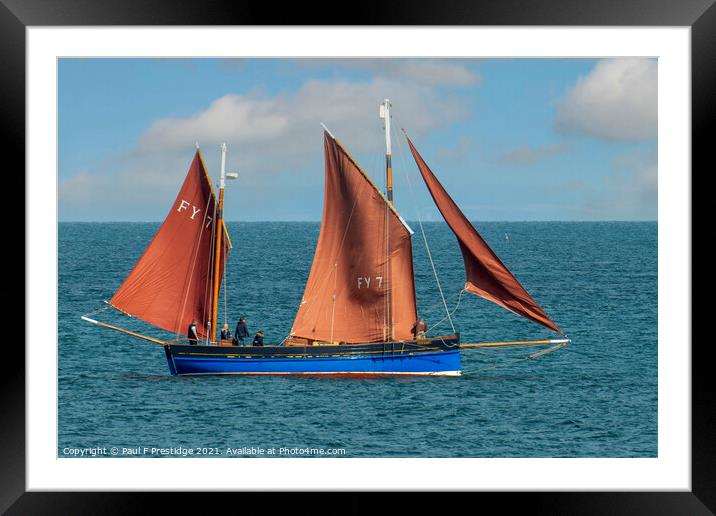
(511, 139)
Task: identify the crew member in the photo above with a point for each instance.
(258, 338)
(241, 332)
(225, 333)
(192, 333)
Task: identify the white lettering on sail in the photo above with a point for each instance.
(183, 205)
(364, 281)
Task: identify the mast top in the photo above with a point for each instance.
(385, 115)
(222, 181)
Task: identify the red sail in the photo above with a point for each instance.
(171, 284)
(486, 275)
(361, 280)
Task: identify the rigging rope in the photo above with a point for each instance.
(335, 265)
(425, 240)
(193, 266)
(325, 280)
(209, 285)
(226, 280)
(386, 229)
(531, 356)
(434, 306)
(100, 309)
(449, 314)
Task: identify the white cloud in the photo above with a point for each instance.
(616, 101)
(432, 72)
(245, 119)
(290, 123)
(270, 139)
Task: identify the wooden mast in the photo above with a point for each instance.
(385, 115)
(217, 248)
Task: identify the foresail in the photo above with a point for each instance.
(361, 287)
(486, 275)
(171, 284)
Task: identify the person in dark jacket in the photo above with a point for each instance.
(192, 334)
(241, 332)
(259, 339)
(225, 332)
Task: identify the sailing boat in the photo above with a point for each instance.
(358, 314)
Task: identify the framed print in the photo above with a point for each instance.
(510, 311)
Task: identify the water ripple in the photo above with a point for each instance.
(596, 398)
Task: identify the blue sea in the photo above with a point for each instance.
(594, 398)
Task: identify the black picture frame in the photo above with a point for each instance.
(700, 15)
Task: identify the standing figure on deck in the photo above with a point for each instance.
(419, 329)
(259, 338)
(241, 332)
(192, 333)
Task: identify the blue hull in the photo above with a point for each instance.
(439, 362)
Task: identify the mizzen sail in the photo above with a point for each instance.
(171, 284)
(361, 287)
(486, 275)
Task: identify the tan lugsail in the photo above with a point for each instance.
(171, 284)
(486, 275)
(360, 288)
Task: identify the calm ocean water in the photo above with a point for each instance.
(595, 398)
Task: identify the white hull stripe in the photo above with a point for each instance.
(371, 373)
